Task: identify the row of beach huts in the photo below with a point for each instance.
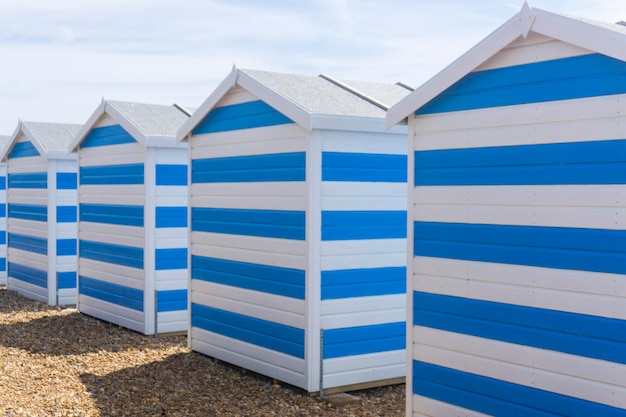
(468, 234)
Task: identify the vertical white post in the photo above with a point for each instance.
(52, 232)
(149, 226)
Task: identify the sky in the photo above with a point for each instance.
(58, 59)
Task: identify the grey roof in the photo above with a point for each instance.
(53, 136)
(152, 119)
(616, 27)
(318, 95)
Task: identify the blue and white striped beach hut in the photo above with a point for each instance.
(517, 266)
(133, 217)
(41, 212)
(4, 141)
(298, 216)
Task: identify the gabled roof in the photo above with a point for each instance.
(309, 101)
(604, 38)
(148, 124)
(50, 139)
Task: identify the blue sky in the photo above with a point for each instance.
(59, 58)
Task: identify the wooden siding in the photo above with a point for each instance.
(518, 290)
(3, 224)
(248, 248)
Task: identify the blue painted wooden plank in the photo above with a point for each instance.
(597, 162)
(3, 210)
(28, 212)
(267, 223)
(270, 335)
(360, 167)
(264, 278)
(366, 282)
(67, 180)
(66, 247)
(3, 237)
(66, 280)
(28, 180)
(3, 182)
(112, 174)
(113, 254)
(364, 340)
(28, 274)
(66, 214)
(250, 168)
(170, 259)
(23, 150)
(111, 293)
(28, 243)
(551, 247)
(3, 264)
(112, 214)
(171, 300)
(241, 116)
(107, 136)
(357, 225)
(171, 217)
(175, 175)
(576, 334)
(559, 79)
(499, 398)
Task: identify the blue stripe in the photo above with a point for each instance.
(598, 162)
(356, 225)
(112, 254)
(67, 280)
(106, 136)
(172, 300)
(111, 293)
(171, 175)
(3, 264)
(364, 340)
(112, 214)
(551, 247)
(28, 274)
(499, 398)
(560, 79)
(171, 217)
(3, 182)
(66, 214)
(3, 210)
(360, 167)
(66, 247)
(112, 174)
(267, 223)
(28, 180)
(28, 243)
(23, 150)
(67, 180)
(349, 283)
(270, 335)
(3, 237)
(252, 168)
(28, 212)
(171, 259)
(576, 334)
(241, 116)
(269, 279)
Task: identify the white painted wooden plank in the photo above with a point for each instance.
(115, 239)
(427, 407)
(172, 321)
(363, 142)
(128, 153)
(358, 369)
(116, 274)
(363, 311)
(67, 296)
(132, 195)
(113, 313)
(28, 290)
(34, 260)
(175, 279)
(28, 228)
(236, 95)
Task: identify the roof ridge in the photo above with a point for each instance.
(355, 91)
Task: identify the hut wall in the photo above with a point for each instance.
(517, 289)
(3, 224)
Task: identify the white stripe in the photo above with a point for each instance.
(170, 237)
(171, 156)
(127, 153)
(130, 195)
(115, 274)
(579, 377)
(283, 253)
(30, 259)
(172, 321)
(581, 292)
(28, 290)
(270, 307)
(66, 296)
(363, 311)
(357, 196)
(259, 196)
(366, 253)
(364, 142)
(576, 120)
(36, 196)
(27, 165)
(112, 234)
(67, 263)
(427, 407)
(28, 228)
(359, 369)
(171, 279)
(113, 313)
(66, 230)
(66, 197)
(586, 206)
(171, 196)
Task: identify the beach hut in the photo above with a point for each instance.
(517, 266)
(41, 212)
(298, 216)
(4, 141)
(132, 222)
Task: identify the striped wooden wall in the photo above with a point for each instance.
(518, 303)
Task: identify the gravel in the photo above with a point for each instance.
(55, 361)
